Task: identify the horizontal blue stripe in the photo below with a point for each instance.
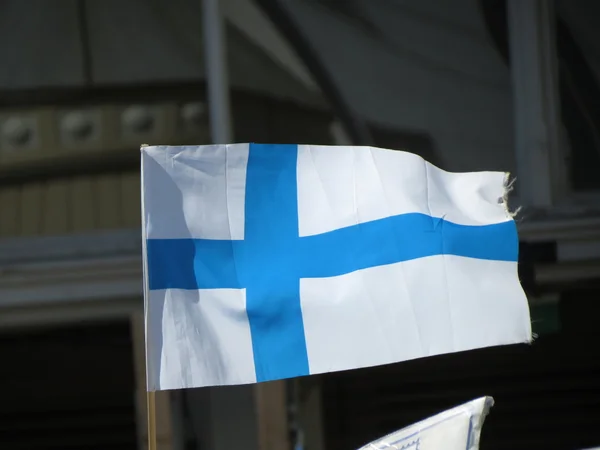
(210, 264)
(192, 264)
(403, 238)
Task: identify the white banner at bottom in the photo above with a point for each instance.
(455, 429)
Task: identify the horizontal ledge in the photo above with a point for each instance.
(575, 228)
(567, 273)
(39, 249)
(69, 292)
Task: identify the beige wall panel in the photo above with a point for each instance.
(49, 143)
(131, 199)
(55, 208)
(81, 204)
(72, 205)
(31, 209)
(107, 201)
(10, 207)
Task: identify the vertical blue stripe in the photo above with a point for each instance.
(273, 286)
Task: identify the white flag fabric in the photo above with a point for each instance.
(266, 262)
(455, 429)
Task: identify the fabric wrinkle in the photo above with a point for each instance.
(314, 165)
(444, 259)
(404, 284)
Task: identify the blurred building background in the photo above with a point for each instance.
(507, 85)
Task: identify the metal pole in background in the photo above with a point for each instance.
(217, 82)
(540, 165)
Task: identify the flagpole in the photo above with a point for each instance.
(150, 396)
(150, 392)
(217, 82)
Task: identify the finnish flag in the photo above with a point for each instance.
(265, 262)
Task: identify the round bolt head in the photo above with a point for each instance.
(193, 113)
(17, 132)
(138, 119)
(77, 125)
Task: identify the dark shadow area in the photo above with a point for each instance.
(65, 387)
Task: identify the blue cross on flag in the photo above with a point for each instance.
(265, 262)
